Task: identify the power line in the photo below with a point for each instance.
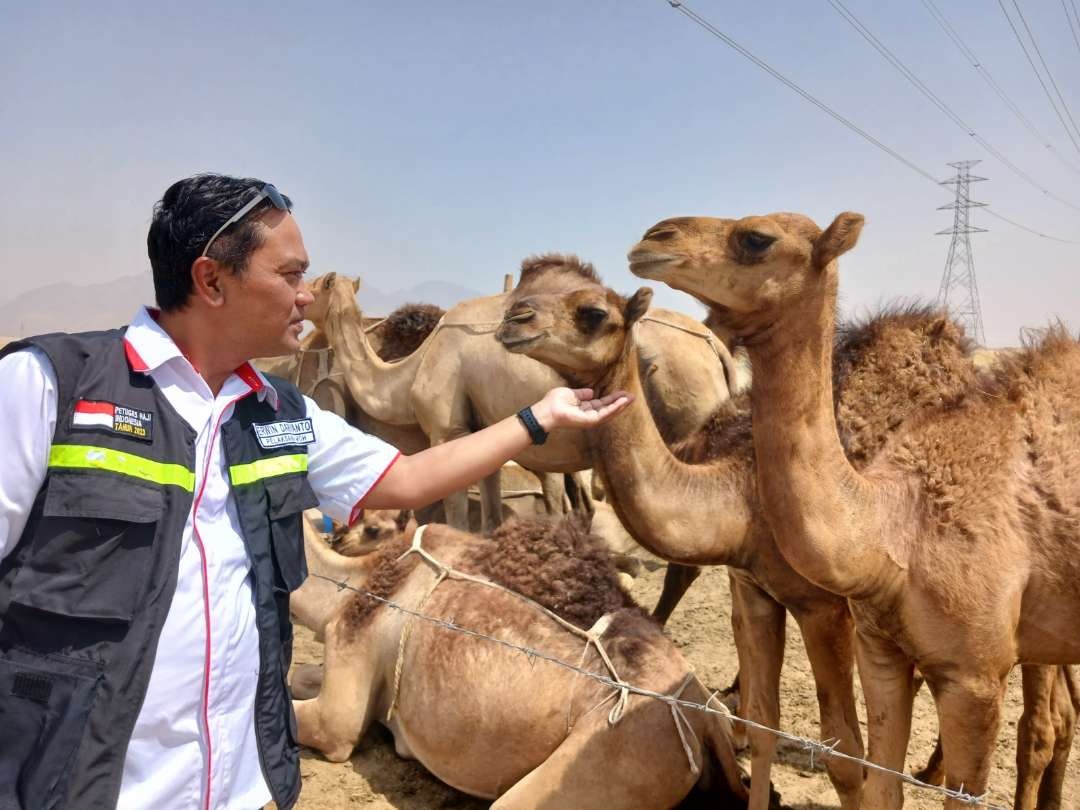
(1046, 67)
(919, 85)
(716, 32)
(1073, 27)
(984, 73)
(1038, 75)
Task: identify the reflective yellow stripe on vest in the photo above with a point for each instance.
(88, 457)
(241, 474)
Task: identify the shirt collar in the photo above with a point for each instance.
(148, 347)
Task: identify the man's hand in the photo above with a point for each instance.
(577, 408)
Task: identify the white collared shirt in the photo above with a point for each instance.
(167, 760)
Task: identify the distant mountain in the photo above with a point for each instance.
(65, 307)
(77, 307)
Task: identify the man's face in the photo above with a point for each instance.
(265, 303)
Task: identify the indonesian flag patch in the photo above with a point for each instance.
(118, 419)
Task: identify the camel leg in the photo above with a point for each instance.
(758, 624)
(969, 712)
(677, 580)
(1034, 734)
(491, 503)
(335, 721)
(456, 506)
(554, 489)
(634, 765)
(829, 636)
(578, 494)
(1066, 705)
(888, 681)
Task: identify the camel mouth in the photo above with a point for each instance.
(518, 343)
(649, 265)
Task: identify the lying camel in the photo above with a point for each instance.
(490, 721)
(958, 546)
(460, 380)
(666, 497)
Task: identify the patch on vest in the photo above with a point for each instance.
(118, 419)
(278, 434)
(32, 686)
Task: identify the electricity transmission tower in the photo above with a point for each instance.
(959, 292)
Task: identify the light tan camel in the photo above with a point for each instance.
(958, 546)
(487, 720)
(317, 372)
(460, 380)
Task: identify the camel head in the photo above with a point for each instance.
(562, 315)
(330, 290)
(745, 270)
(373, 528)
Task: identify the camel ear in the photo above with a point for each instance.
(637, 306)
(356, 284)
(838, 239)
(403, 518)
(328, 280)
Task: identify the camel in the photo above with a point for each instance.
(490, 721)
(317, 372)
(957, 546)
(459, 379)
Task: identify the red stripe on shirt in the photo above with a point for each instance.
(358, 510)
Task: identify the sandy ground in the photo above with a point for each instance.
(376, 778)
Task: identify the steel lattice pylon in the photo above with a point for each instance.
(959, 291)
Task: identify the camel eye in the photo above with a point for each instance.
(661, 234)
(591, 317)
(754, 242)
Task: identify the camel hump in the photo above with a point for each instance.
(555, 563)
(406, 327)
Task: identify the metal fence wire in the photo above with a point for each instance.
(813, 747)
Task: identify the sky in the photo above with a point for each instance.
(435, 140)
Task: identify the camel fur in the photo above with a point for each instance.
(490, 721)
(957, 546)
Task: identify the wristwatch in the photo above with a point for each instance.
(536, 433)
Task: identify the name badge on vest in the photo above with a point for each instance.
(118, 419)
(278, 434)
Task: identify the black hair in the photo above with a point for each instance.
(186, 217)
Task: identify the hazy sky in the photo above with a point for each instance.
(425, 140)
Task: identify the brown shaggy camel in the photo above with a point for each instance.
(459, 379)
(490, 721)
(958, 546)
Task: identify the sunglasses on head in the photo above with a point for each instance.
(268, 192)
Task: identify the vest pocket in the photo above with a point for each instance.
(92, 548)
(289, 497)
(43, 706)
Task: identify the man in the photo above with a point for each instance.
(150, 507)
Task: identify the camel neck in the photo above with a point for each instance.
(687, 513)
(380, 389)
(318, 599)
(821, 511)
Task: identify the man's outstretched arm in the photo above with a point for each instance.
(424, 477)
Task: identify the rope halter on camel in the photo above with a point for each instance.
(593, 638)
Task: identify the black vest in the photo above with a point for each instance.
(85, 592)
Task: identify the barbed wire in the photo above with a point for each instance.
(811, 746)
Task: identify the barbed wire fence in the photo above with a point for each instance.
(813, 747)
